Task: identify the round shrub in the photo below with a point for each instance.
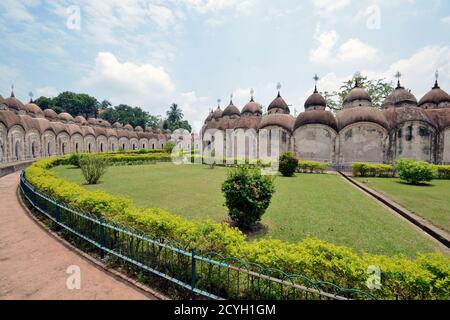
(74, 159)
(413, 171)
(93, 167)
(288, 164)
(247, 195)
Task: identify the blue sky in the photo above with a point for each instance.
(153, 53)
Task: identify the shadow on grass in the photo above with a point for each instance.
(257, 230)
(422, 184)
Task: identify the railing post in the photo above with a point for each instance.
(57, 215)
(102, 238)
(193, 272)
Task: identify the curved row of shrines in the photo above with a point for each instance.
(27, 132)
(402, 127)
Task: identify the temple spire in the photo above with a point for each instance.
(398, 75)
(218, 103)
(436, 76)
(357, 79)
(278, 88)
(315, 78)
(12, 91)
(231, 99)
(30, 94)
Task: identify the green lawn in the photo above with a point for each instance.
(322, 206)
(431, 202)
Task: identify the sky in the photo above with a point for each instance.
(194, 52)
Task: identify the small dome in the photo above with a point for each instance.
(217, 114)
(139, 129)
(347, 117)
(434, 98)
(400, 97)
(128, 127)
(50, 114)
(103, 123)
(248, 123)
(439, 116)
(252, 107)
(231, 110)
(316, 117)
(80, 120)
(92, 121)
(209, 117)
(279, 103)
(283, 120)
(34, 109)
(117, 125)
(13, 103)
(355, 95)
(315, 100)
(64, 116)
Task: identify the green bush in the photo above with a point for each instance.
(312, 166)
(288, 164)
(413, 171)
(442, 172)
(74, 159)
(425, 277)
(247, 195)
(93, 167)
(168, 147)
(362, 169)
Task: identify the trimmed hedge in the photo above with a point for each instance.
(312, 166)
(442, 171)
(362, 169)
(413, 171)
(425, 277)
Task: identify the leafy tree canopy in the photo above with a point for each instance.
(175, 120)
(378, 90)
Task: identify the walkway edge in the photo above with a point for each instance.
(438, 234)
(95, 262)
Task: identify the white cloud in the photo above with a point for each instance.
(446, 20)
(327, 41)
(355, 49)
(46, 92)
(161, 15)
(127, 82)
(205, 6)
(329, 6)
(15, 10)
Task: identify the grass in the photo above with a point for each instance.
(322, 206)
(431, 202)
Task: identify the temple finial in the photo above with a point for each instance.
(12, 91)
(231, 98)
(251, 93)
(218, 103)
(436, 76)
(30, 94)
(278, 88)
(398, 75)
(315, 78)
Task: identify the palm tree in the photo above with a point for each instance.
(174, 115)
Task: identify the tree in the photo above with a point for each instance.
(76, 104)
(133, 115)
(44, 103)
(175, 119)
(378, 90)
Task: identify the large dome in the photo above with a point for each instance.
(34, 109)
(435, 98)
(279, 103)
(316, 117)
(231, 110)
(400, 97)
(315, 101)
(252, 107)
(347, 117)
(283, 120)
(357, 97)
(50, 114)
(13, 103)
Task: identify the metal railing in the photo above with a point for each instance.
(210, 275)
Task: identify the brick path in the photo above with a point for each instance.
(33, 264)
